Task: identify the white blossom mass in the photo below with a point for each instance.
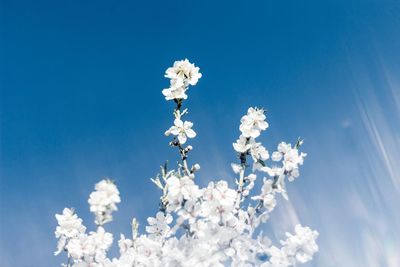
(193, 226)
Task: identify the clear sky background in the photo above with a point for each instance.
(81, 99)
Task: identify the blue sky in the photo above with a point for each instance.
(81, 99)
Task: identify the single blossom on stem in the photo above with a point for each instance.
(182, 130)
(175, 92)
(185, 71)
(103, 201)
(253, 123)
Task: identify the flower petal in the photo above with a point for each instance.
(190, 133)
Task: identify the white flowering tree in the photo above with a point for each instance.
(212, 226)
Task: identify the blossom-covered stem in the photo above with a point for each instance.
(182, 151)
(240, 189)
(185, 166)
(241, 179)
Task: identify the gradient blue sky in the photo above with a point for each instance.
(81, 99)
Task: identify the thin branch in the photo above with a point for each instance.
(243, 159)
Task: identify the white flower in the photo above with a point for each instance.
(190, 211)
(102, 239)
(292, 159)
(253, 123)
(180, 189)
(223, 194)
(276, 156)
(159, 226)
(75, 247)
(237, 168)
(182, 74)
(250, 180)
(284, 147)
(267, 195)
(69, 227)
(302, 245)
(242, 145)
(185, 71)
(258, 152)
(219, 202)
(124, 244)
(293, 174)
(174, 93)
(278, 258)
(69, 224)
(274, 171)
(147, 252)
(182, 130)
(196, 167)
(103, 201)
(92, 247)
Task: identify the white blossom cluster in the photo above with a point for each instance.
(88, 249)
(103, 201)
(212, 226)
(182, 74)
